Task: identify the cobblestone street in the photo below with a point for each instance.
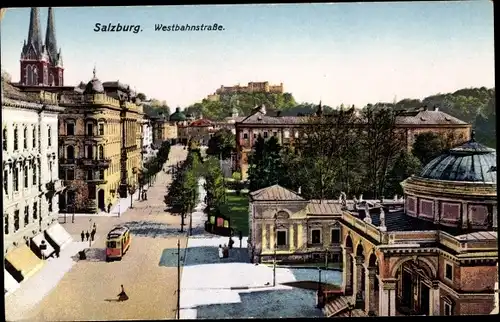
(88, 291)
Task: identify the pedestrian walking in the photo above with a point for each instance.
(92, 235)
(87, 235)
(109, 207)
(225, 251)
(221, 252)
(83, 236)
(231, 242)
(122, 296)
(94, 227)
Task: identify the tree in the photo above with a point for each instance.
(141, 96)
(427, 146)
(6, 76)
(381, 142)
(266, 166)
(214, 184)
(405, 166)
(80, 192)
(222, 144)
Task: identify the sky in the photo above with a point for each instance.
(350, 53)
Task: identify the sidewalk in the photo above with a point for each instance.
(34, 289)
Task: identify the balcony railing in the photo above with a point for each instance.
(88, 162)
(67, 161)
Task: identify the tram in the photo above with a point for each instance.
(117, 243)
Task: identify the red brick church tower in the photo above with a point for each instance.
(41, 64)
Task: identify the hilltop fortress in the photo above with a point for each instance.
(252, 87)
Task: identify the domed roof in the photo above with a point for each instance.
(471, 162)
(178, 116)
(94, 86)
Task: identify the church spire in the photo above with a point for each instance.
(34, 33)
(50, 38)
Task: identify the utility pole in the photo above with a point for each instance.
(275, 246)
(178, 279)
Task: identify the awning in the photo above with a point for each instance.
(37, 241)
(10, 282)
(24, 261)
(58, 235)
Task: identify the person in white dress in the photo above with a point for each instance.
(221, 254)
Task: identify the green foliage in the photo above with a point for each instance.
(214, 185)
(405, 166)
(427, 146)
(222, 144)
(243, 102)
(155, 108)
(183, 191)
(266, 167)
(154, 165)
(236, 176)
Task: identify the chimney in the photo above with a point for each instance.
(278, 113)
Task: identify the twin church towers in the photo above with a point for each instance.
(41, 63)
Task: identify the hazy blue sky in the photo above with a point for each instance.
(352, 53)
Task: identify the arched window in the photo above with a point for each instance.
(90, 152)
(34, 174)
(101, 152)
(35, 76)
(70, 152)
(25, 138)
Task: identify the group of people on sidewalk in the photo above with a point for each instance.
(88, 235)
(224, 251)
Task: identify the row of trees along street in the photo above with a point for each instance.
(183, 191)
(344, 151)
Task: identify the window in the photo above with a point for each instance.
(26, 215)
(111, 244)
(6, 224)
(25, 138)
(50, 170)
(34, 174)
(49, 136)
(448, 274)
(255, 135)
(6, 181)
(33, 137)
(16, 137)
(335, 236)
(25, 170)
(286, 134)
(70, 174)
(4, 139)
(447, 309)
(101, 174)
(16, 220)
(281, 238)
(90, 129)
(16, 179)
(265, 134)
(275, 133)
(101, 152)
(245, 136)
(296, 135)
(316, 236)
(35, 210)
(91, 192)
(70, 152)
(90, 152)
(90, 175)
(70, 128)
(101, 129)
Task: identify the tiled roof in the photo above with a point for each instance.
(13, 92)
(480, 235)
(275, 193)
(417, 118)
(327, 207)
(200, 123)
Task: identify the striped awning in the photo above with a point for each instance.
(58, 236)
(10, 282)
(38, 240)
(24, 261)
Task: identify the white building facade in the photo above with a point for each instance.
(30, 167)
(147, 140)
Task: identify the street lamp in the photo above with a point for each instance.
(320, 292)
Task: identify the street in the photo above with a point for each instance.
(89, 290)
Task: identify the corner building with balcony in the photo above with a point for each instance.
(99, 145)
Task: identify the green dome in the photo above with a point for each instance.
(178, 116)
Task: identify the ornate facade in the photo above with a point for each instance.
(436, 259)
(290, 130)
